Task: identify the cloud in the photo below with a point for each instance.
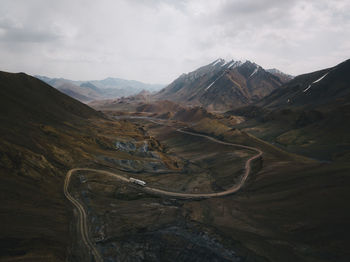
(13, 32)
(157, 40)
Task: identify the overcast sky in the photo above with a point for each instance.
(156, 40)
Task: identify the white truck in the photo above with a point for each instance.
(137, 181)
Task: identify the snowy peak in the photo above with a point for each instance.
(219, 61)
(221, 85)
(247, 68)
(226, 64)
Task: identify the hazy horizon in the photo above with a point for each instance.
(156, 41)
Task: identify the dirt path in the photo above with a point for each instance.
(229, 191)
(82, 221)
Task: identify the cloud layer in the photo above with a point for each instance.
(157, 40)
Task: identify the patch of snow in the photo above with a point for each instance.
(220, 60)
(225, 63)
(318, 80)
(305, 90)
(314, 82)
(254, 72)
(209, 86)
(235, 64)
(215, 80)
(217, 61)
(231, 64)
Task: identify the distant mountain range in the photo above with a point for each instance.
(222, 85)
(108, 88)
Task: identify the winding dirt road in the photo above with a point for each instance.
(82, 222)
(229, 191)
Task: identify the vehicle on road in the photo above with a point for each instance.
(137, 181)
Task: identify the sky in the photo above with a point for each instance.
(155, 41)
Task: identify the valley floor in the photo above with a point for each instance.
(289, 208)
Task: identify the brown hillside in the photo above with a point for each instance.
(44, 133)
(159, 107)
(193, 114)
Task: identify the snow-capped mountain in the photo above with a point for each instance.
(222, 85)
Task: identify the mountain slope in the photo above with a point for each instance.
(314, 89)
(308, 115)
(43, 134)
(37, 144)
(221, 85)
(24, 98)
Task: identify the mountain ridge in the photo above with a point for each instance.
(221, 85)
